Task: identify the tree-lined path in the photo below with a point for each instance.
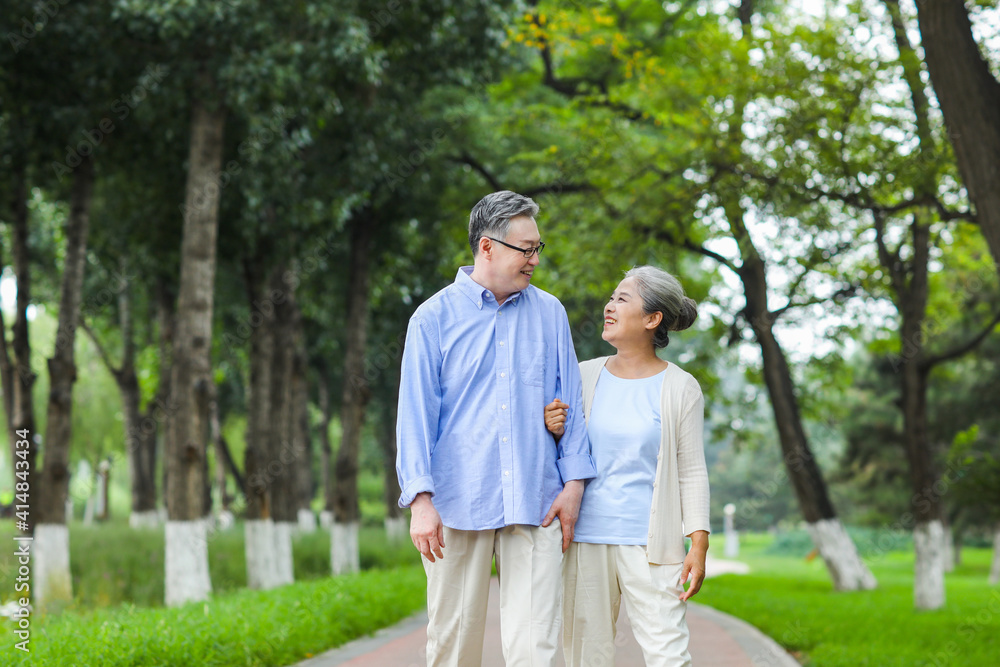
(216, 219)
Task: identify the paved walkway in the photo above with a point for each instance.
(717, 639)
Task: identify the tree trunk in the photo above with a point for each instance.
(51, 571)
(8, 370)
(325, 451)
(140, 428)
(224, 460)
(282, 460)
(215, 428)
(910, 283)
(969, 96)
(103, 510)
(302, 485)
(259, 524)
(157, 413)
(396, 525)
(23, 403)
(187, 575)
(925, 503)
(846, 568)
(344, 555)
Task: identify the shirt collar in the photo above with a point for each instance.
(476, 292)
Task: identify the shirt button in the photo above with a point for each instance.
(506, 473)
(652, 511)
(503, 375)
(504, 406)
(501, 343)
(505, 439)
(650, 534)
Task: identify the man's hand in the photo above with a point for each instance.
(694, 564)
(426, 529)
(566, 506)
(555, 418)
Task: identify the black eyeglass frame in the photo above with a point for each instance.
(527, 252)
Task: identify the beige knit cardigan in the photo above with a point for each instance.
(680, 489)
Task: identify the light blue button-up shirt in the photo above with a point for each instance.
(475, 382)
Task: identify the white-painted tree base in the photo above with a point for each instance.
(995, 567)
(261, 554)
(307, 520)
(848, 571)
(50, 577)
(283, 569)
(344, 554)
(397, 528)
(187, 562)
(928, 570)
(148, 519)
(326, 519)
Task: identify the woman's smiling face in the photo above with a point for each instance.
(624, 321)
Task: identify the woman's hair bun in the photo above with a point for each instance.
(686, 316)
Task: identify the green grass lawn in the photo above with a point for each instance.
(117, 617)
(113, 564)
(791, 599)
(239, 628)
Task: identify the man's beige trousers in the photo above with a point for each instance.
(529, 562)
(596, 576)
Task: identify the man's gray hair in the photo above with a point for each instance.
(491, 216)
(660, 292)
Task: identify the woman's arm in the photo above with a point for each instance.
(693, 479)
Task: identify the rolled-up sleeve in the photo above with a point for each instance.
(419, 411)
(575, 460)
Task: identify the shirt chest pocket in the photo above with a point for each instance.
(532, 360)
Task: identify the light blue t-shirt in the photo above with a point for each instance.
(624, 431)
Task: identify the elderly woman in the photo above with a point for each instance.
(644, 417)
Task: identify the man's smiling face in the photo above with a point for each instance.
(511, 269)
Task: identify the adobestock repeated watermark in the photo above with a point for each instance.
(32, 26)
(935, 325)
(118, 280)
(248, 151)
(986, 619)
(155, 417)
(121, 108)
(405, 165)
(263, 309)
(890, 535)
(774, 655)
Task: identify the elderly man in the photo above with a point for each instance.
(480, 473)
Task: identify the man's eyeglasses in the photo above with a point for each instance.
(527, 252)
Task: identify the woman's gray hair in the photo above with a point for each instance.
(660, 292)
(491, 216)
